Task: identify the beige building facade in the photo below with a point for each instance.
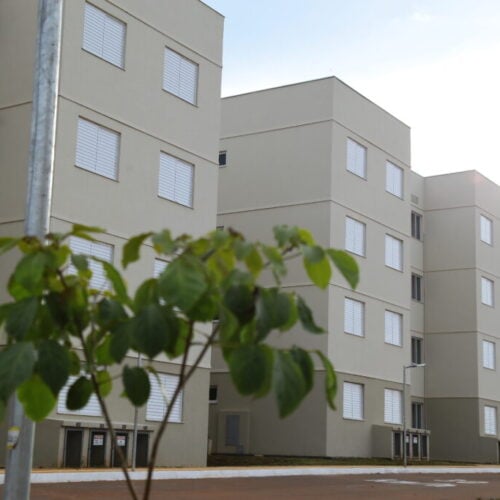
(136, 149)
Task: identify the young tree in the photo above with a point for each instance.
(58, 326)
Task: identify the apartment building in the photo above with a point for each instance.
(136, 149)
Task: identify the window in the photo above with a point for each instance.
(417, 350)
(393, 252)
(157, 402)
(488, 354)
(91, 409)
(416, 287)
(416, 225)
(486, 291)
(356, 158)
(417, 415)
(353, 401)
(393, 328)
(355, 236)
(97, 149)
(392, 406)
(158, 267)
(93, 249)
(212, 394)
(104, 35)
(394, 179)
(490, 420)
(354, 317)
(486, 230)
(176, 180)
(222, 158)
(180, 76)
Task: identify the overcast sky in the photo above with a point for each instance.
(434, 64)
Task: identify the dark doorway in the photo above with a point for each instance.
(122, 444)
(141, 454)
(97, 449)
(73, 448)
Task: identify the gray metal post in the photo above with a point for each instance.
(38, 202)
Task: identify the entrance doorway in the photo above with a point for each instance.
(73, 448)
(97, 456)
(122, 444)
(141, 454)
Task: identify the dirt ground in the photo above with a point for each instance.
(373, 487)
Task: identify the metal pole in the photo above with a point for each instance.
(38, 202)
(136, 415)
(405, 458)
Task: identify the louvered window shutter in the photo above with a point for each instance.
(353, 401)
(490, 420)
(157, 404)
(392, 406)
(356, 158)
(91, 409)
(159, 267)
(176, 180)
(180, 76)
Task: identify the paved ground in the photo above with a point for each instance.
(374, 487)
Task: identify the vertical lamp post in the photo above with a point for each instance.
(413, 365)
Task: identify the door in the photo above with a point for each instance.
(122, 444)
(97, 449)
(141, 454)
(73, 448)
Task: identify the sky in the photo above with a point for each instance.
(434, 64)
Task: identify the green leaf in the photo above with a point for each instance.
(163, 242)
(306, 317)
(36, 397)
(53, 365)
(306, 237)
(241, 302)
(317, 265)
(289, 383)
(103, 355)
(27, 279)
(81, 262)
(137, 386)
(273, 310)
(346, 264)
(149, 331)
(304, 361)
(7, 244)
(276, 261)
(146, 294)
(177, 335)
(3, 409)
(111, 313)
(116, 280)
(79, 394)
(285, 235)
(131, 249)
(251, 369)
(104, 382)
(74, 363)
(16, 366)
(21, 316)
(120, 342)
(254, 262)
(184, 282)
(81, 228)
(330, 380)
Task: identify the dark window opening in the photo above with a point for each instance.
(416, 287)
(416, 225)
(222, 158)
(416, 350)
(212, 394)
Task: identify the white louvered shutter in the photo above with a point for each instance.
(356, 158)
(91, 409)
(180, 76)
(393, 252)
(176, 180)
(354, 236)
(486, 291)
(392, 406)
(97, 149)
(104, 35)
(353, 401)
(490, 420)
(393, 328)
(488, 354)
(486, 230)
(158, 267)
(394, 179)
(159, 395)
(354, 317)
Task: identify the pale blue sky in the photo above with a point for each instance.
(433, 64)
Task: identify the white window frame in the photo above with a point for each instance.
(171, 169)
(97, 148)
(393, 406)
(489, 354)
(393, 328)
(394, 176)
(156, 406)
(353, 401)
(486, 229)
(104, 251)
(91, 409)
(393, 252)
(180, 76)
(104, 35)
(490, 420)
(356, 158)
(487, 291)
(354, 317)
(355, 236)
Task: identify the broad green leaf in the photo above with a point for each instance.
(104, 382)
(137, 386)
(53, 365)
(116, 280)
(346, 264)
(81, 228)
(254, 262)
(2, 410)
(7, 244)
(146, 294)
(317, 265)
(330, 380)
(241, 302)
(21, 316)
(275, 261)
(131, 249)
(163, 242)
(177, 335)
(242, 249)
(289, 383)
(74, 363)
(285, 235)
(227, 329)
(304, 361)
(206, 308)
(184, 282)
(251, 368)
(149, 331)
(306, 237)
(306, 317)
(103, 355)
(111, 313)
(79, 394)
(81, 262)
(273, 310)
(16, 366)
(121, 340)
(27, 279)
(61, 255)
(36, 397)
